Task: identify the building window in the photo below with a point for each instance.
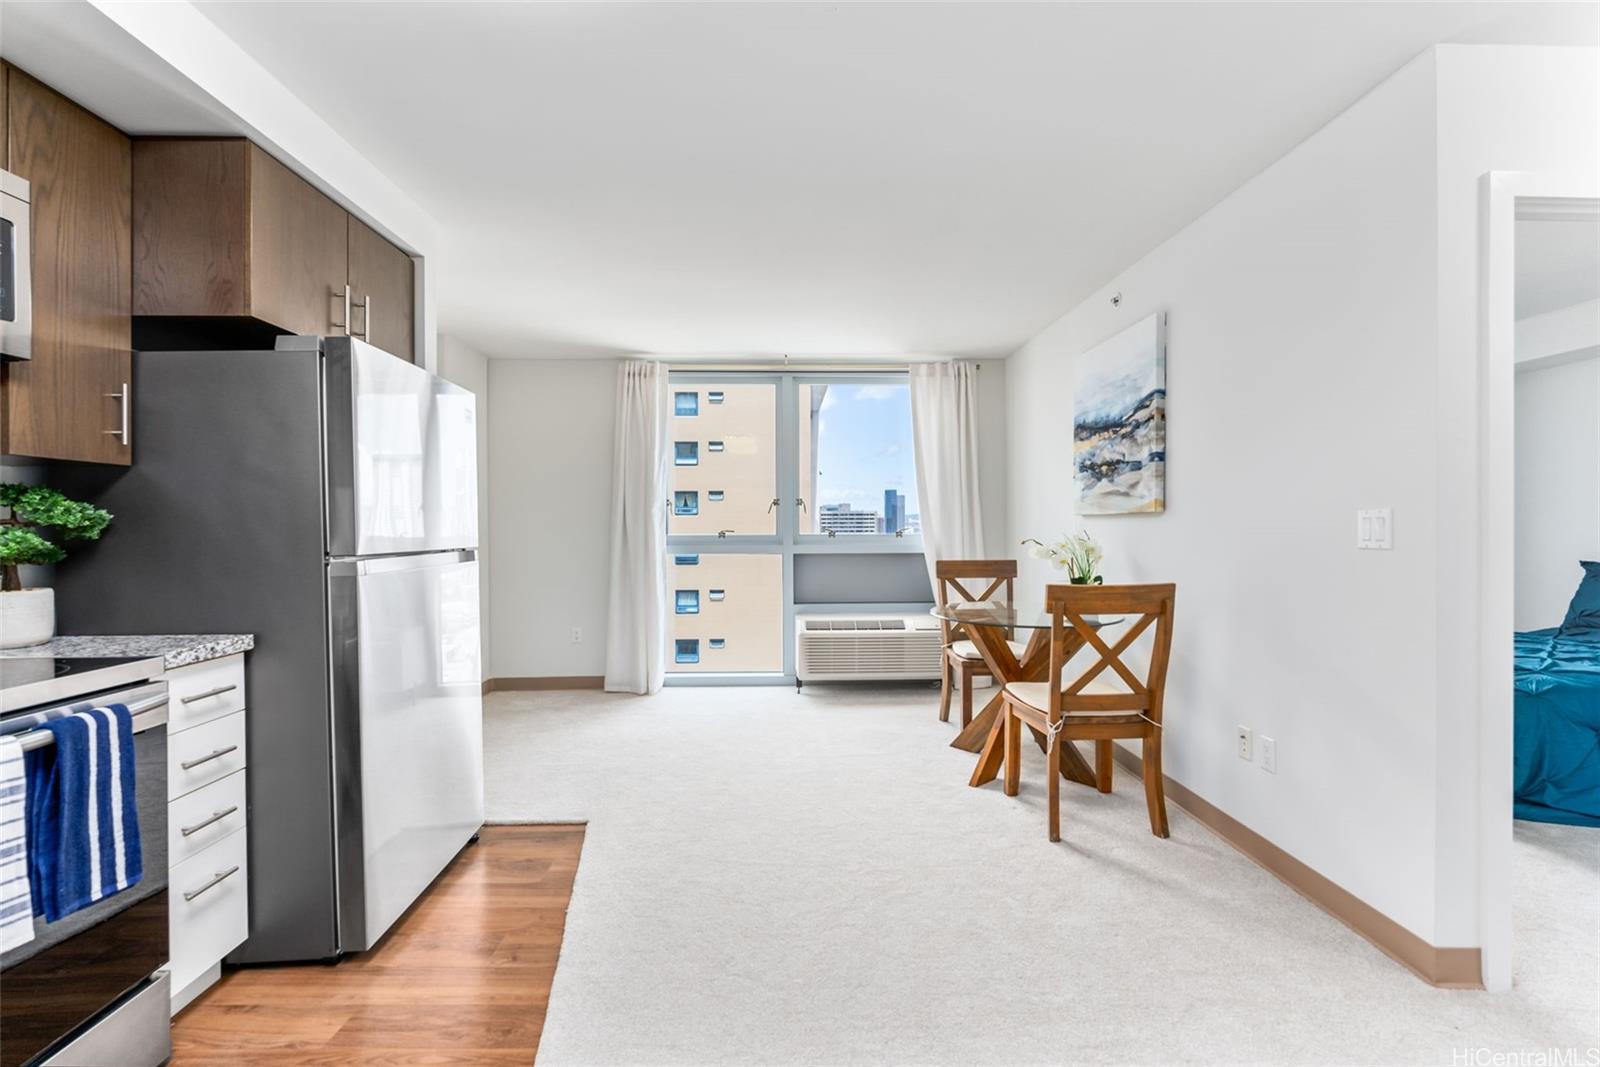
(715, 495)
(856, 470)
(686, 502)
(686, 403)
(686, 651)
(686, 453)
(688, 602)
(686, 560)
(718, 642)
(714, 396)
(718, 594)
(714, 446)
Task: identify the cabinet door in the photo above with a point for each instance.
(382, 281)
(191, 211)
(65, 402)
(299, 257)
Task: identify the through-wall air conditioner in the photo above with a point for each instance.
(867, 647)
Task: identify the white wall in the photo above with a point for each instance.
(1558, 486)
(1323, 357)
(1300, 384)
(550, 448)
(551, 424)
(469, 368)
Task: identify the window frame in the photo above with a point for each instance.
(786, 541)
(681, 458)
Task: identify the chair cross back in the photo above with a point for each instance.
(1069, 605)
(1000, 573)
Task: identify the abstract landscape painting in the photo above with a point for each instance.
(1119, 424)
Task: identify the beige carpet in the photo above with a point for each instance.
(780, 878)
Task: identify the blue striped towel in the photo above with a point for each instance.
(83, 818)
(16, 898)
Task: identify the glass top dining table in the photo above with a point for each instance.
(989, 625)
(997, 613)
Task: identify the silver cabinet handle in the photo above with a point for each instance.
(365, 304)
(190, 765)
(124, 433)
(343, 324)
(216, 816)
(216, 880)
(218, 691)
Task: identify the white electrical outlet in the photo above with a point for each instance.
(577, 635)
(1269, 754)
(1243, 736)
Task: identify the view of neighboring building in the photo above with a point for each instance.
(842, 519)
(724, 459)
(727, 612)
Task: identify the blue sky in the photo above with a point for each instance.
(864, 446)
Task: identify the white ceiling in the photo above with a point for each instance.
(1558, 264)
(824, 178)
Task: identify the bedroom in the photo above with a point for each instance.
(1557, 529)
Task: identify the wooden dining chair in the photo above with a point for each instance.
(1095, 707)
(961, 656)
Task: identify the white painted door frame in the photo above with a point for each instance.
(1505, 197)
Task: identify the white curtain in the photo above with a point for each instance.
(636, 623)
(944, 433)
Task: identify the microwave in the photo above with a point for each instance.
(16, 282)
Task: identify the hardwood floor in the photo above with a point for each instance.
(463, 978)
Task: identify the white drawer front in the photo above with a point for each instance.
(204, 817)
(204, 691)
(201, 755)
(210, 907)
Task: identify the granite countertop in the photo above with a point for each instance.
(175, 650)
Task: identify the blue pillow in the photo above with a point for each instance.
(1583, 614)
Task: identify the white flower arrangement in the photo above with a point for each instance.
(1077, 554)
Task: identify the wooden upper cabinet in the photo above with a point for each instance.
(221, 229)
(299, 258)
(382, 286)
(68, 401)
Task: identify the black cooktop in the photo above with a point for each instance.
(19, 671)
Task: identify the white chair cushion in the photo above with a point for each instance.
(1037, 694)
(968, 650)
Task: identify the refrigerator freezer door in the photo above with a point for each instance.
(402, 455)
(408, 730)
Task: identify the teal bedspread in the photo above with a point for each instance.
(1557, 750)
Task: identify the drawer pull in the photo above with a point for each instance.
(216, 880)
(190, 765)
(203, 823)
(218, 691)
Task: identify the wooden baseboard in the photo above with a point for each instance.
(1449, 968)
(572, 681)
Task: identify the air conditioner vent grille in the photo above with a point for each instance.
(867, 648)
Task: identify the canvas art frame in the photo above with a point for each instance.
(1119, 422)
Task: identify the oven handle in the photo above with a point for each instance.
(147, 713)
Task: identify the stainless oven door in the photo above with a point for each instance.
(84, 965)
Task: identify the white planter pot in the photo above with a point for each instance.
(27, 617)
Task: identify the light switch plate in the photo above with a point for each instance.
(1374, 528)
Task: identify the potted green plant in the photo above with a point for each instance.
(28, 616)
(1078, 555)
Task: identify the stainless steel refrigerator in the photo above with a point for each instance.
(322, 496)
